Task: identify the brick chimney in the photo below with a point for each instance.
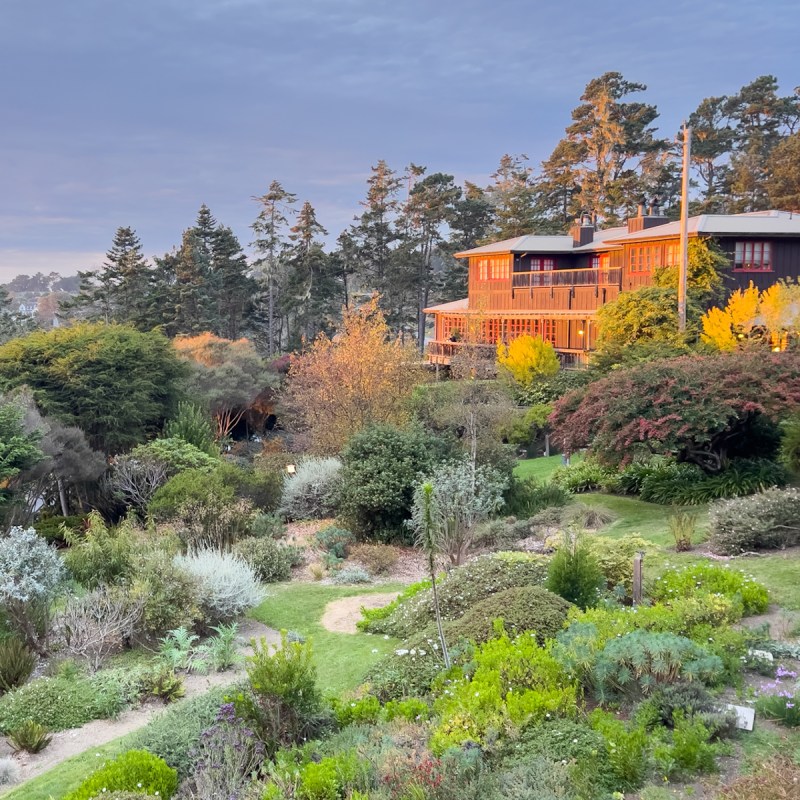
(583, 230)
(642, 221)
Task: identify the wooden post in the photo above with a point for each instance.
(546, 448)
(637, 578)
(683, 270)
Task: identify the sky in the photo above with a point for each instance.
(118, 113)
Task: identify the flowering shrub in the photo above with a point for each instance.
(226, 758)
(514, 684)
(227, 585)
(311, 492)
(780, 699)
(135, 771)
(764, 521)
(712, 579)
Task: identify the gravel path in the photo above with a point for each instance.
(75, 741)
(341, 615)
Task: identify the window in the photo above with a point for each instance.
(644, 258)
(672, 256)
(542, 264)
(493, 269)
(753, 257)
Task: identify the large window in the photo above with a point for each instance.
(644, 258)
(753, 257)
(493, 268)
(542, 264)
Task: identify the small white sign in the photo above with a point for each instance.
(745, 717)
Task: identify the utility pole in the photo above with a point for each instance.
(684, 261)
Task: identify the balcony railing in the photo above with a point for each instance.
(568, 277)
(442, 352)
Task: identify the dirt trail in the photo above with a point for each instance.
(341, 615)
(75, 741)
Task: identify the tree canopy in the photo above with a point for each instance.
(116, 384)
(695, 408)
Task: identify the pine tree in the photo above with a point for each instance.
(270, 242)
(118, 292)
(192, 297)
(233, 287)
(513, 197)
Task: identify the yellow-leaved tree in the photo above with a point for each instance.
(772, 315)
(527, 359)
(361, 376)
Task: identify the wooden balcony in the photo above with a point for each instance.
(567, 277)
(443, 352)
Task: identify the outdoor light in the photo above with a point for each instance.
(580, 332)
(291, 469)
(776, 349)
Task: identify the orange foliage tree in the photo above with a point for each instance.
(361, 376)
(227, 376)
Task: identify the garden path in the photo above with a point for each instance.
(340, 616)
(74, 741)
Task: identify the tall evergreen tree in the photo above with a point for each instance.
(611, 135)
(513, 197)
(193, 300)
(712, 141)
(270, 242)
(308, 295)
(118, 291)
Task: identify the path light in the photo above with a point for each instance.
(291, 469)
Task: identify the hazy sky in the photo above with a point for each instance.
(134, 113)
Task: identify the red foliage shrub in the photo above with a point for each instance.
(695, 408)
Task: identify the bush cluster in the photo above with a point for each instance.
(270, 560)
(312, 491)
(585, 476)
(17, 663)
(134, 771)
(712, 579)
(764, 521)
(61, 702)
(461, 589)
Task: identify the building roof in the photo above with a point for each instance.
(755, 223)
(455, 305)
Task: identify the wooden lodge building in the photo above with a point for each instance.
(552, 286)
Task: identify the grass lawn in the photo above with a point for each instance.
(540, 468)
(342, 659)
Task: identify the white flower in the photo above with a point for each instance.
(386, 636)
(374, 649)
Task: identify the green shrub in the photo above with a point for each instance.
(270, 560)
(412, 710)
(16, 663)
(713, 579)
(380, 469)
(632, 665)
(60, 703)
(527, 496)
(319, 781)
(462, 588)
(523, 608)
(574, 573)
(312, 491)
(565, 741)
(411, 669)
(136, 770)
(362, 710)
(101, 554)
(686, 484)
(261, 486)
(171, 595)
(269, 526)
(615, 559)
(584, 517)
(689, 749)
(586, 476)
(683, 527)
(692, 698)
(282, 703)
(765, 521)
(30, 736)
(626, 750)
(373, 619)
(536, 779)
(514, 684)
(193, 486)
(193, 425)
(173, 734)
(176, 454)
(52, 527)
(779, 703)
(548, 390)
(335, 541)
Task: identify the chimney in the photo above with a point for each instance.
(651, 219)
(583, 230)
